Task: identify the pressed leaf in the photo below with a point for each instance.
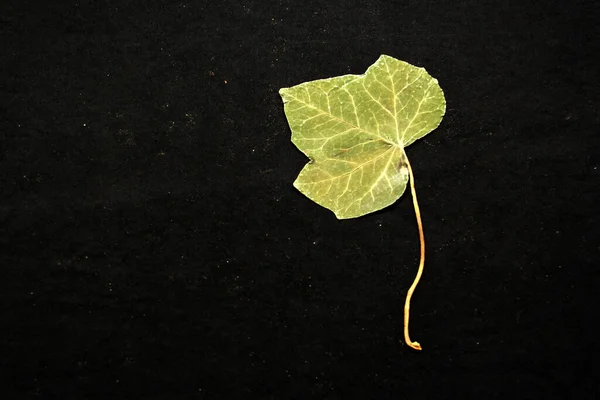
(354, 129)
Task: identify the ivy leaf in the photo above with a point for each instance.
(354, 129)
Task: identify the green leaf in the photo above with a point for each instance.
(354, 129)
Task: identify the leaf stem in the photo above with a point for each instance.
(414, 345)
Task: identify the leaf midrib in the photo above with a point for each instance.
(344, 121)
(393, 147)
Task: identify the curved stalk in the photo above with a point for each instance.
(414, 345)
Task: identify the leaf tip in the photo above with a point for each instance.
(282, 93)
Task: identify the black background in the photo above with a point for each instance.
(153, 246)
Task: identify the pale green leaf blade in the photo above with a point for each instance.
(369, 179)
(354, 129)
(313, 117)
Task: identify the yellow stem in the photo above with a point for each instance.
(414, 345)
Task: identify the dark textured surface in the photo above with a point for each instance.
(152, 245)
